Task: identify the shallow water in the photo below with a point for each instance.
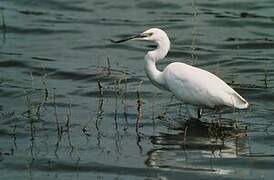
(55, 123)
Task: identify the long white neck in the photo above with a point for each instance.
(150, 62)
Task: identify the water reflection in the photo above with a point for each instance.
(196, 149)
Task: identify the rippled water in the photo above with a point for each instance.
(69, 98)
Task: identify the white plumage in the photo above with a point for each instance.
(200, 87)
(189, 84)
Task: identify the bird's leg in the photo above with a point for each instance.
(199, 112)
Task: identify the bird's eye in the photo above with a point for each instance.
(148, 34)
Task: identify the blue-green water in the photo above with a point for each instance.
(56, 54)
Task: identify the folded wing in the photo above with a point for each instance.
(199, 87)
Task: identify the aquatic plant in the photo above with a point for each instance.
(3, 27)
(139, 106)
(194, 32)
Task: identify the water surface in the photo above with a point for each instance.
(69, 99)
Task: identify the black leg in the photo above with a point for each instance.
(199, 113)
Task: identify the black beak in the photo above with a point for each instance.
(129, 38)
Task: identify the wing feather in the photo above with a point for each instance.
(196, 86)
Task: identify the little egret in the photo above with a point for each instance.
(191, 85)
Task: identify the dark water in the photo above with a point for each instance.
(55, 57)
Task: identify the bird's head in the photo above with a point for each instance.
(152, 34)
(155, 35)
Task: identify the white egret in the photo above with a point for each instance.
(191, 85)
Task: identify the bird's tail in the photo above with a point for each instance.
(238, 101)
